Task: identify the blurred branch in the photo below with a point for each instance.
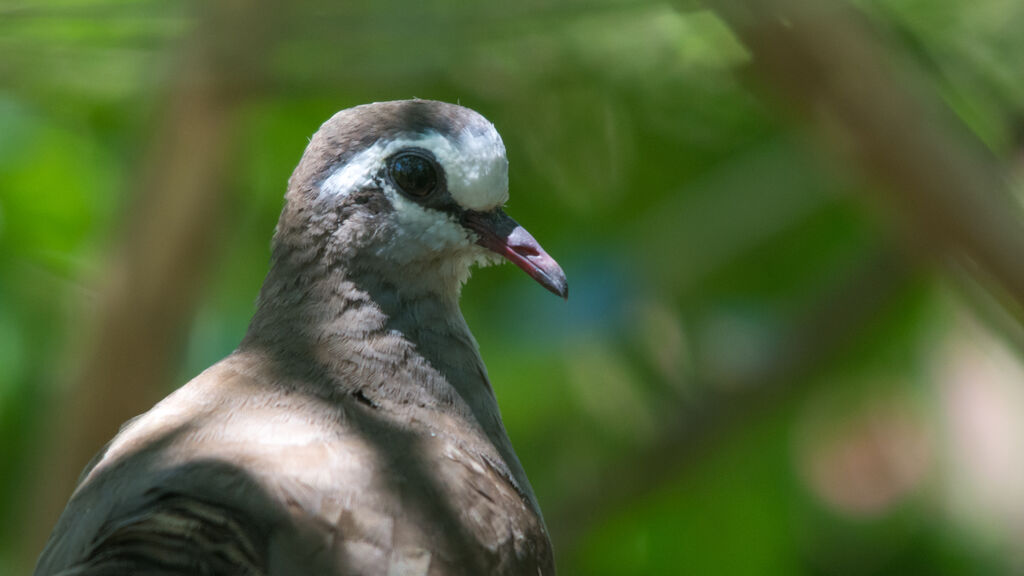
(824, 59)
(156, 273)
(699, 427)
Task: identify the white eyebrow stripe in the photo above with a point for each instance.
(475, 167)
(354, 174)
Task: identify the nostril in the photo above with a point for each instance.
(526, 250)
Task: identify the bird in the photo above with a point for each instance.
(354, 430)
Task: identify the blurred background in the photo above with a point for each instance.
(793, 232)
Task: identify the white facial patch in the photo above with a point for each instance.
(474, 165)
(423, 231)
(432, 245)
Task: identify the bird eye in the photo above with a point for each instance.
(413, 174)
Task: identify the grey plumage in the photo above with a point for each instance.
(354, 431)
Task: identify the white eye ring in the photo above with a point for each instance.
(471, 167)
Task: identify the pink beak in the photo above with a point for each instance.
(499, 233)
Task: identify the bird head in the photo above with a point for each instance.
(412, 190)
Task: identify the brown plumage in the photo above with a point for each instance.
(354, 430)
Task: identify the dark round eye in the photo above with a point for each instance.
(414, 174)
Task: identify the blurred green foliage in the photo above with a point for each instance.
(708, 241)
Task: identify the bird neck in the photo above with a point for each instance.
(344, 331)
(358, 332)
